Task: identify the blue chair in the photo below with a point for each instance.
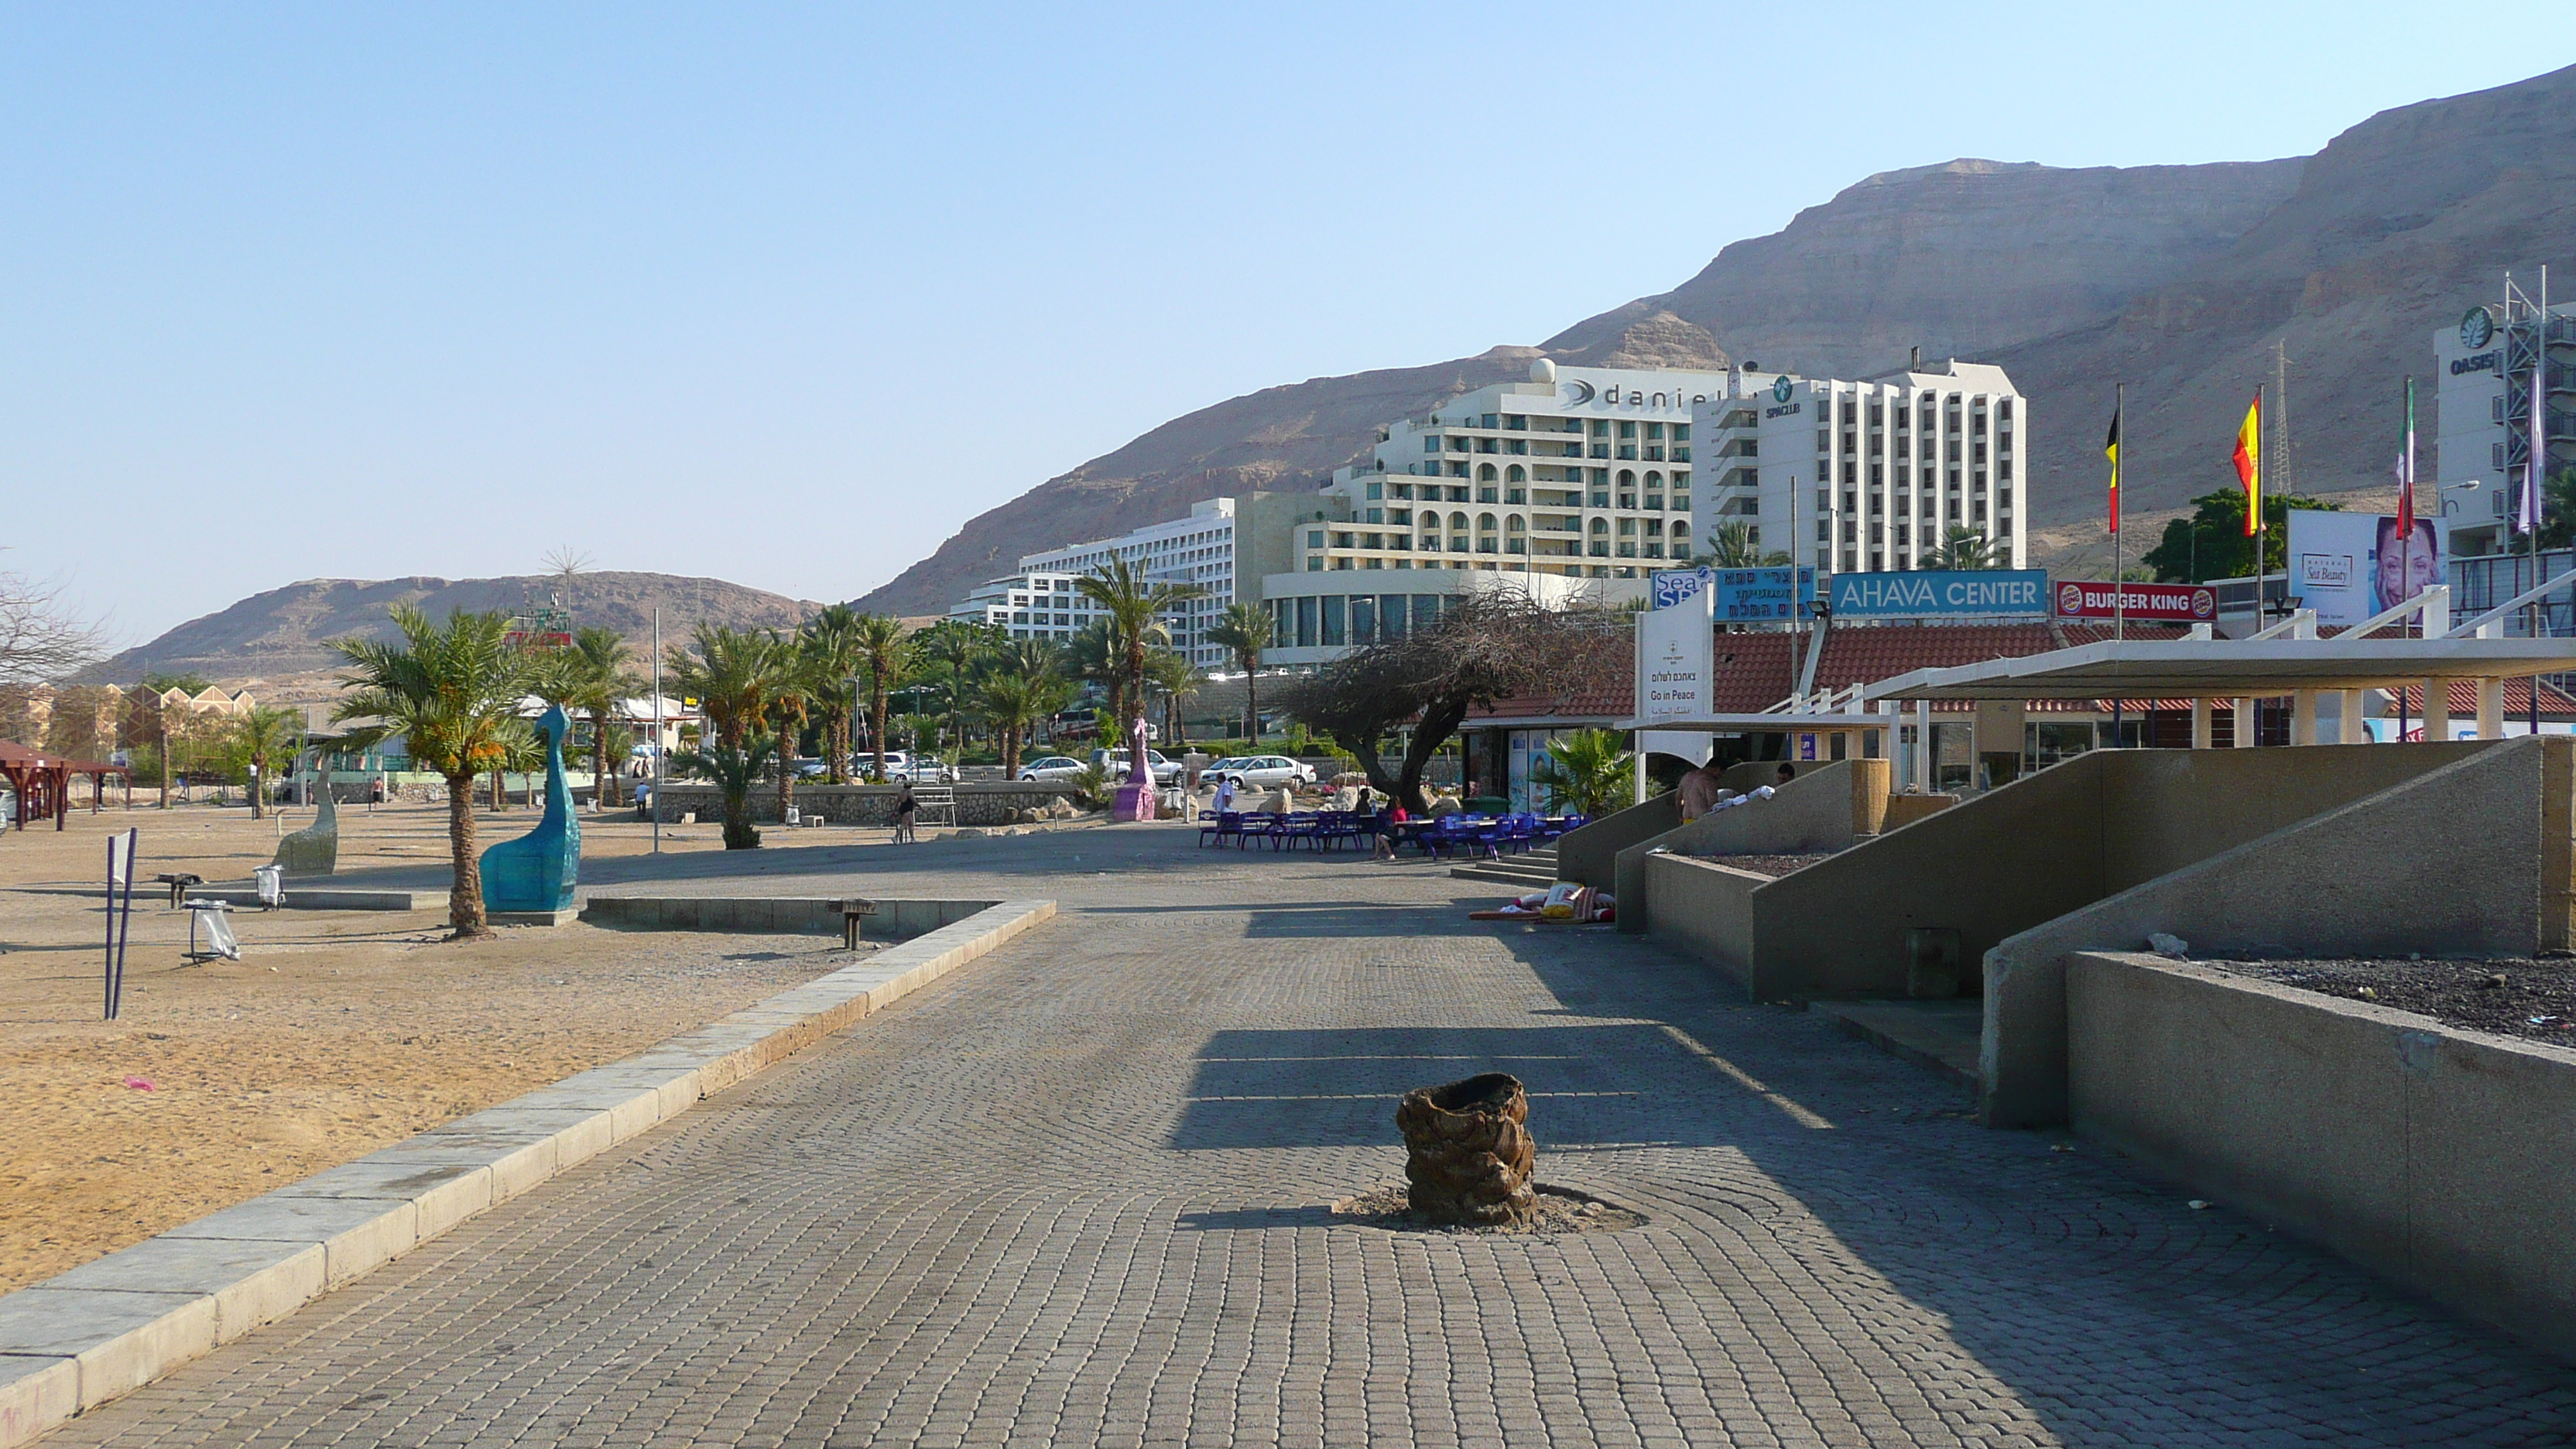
(1224, 823)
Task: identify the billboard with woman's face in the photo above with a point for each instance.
(2349, 566)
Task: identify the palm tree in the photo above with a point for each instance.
(590, 679)
(1095, 656)
(1015, 699)
(263, 735)
(735, 769)
(956, 647)
(790, 694)
(1172, 676)
(881, 654)
(830, 645)
(1964, 548)
(1732, 546)
(448, 690)
(1588, 770)
(1135, 607)
(523, 749)
(1244, 631)
(738, 677)
(732, 673)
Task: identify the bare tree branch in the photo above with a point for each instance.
(41, 638)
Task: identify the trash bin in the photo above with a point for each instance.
(270, 882)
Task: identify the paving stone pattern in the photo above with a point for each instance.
(1079, 1193)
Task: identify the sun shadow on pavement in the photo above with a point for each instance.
(1589, 1086)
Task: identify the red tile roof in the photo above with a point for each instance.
(1753, 670)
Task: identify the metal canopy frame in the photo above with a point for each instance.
(2231, 669)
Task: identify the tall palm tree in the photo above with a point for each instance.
(1014, 699)
(1095, 656)
(589, 680)
(1243, 630)
(448, 690)
(1171, 675)
(790, 700)
(956, 648)
(881, 656)
(263, 736)
(733, 674)
(830, 644)
(737, 676)
(1135, 606)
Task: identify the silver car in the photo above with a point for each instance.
(1268, 772)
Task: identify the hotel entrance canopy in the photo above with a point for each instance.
(2229, 668)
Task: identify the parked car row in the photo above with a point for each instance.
(1260, 772)
(900, 765)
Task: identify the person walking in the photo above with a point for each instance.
(904, 807)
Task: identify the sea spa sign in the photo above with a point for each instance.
(1942, 594)
(1675, 647)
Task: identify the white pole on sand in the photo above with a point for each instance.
(657, 730)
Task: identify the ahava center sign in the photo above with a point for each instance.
(1942, 594)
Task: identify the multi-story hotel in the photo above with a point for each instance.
(1039, 602)
(2483, 367)
(1576, 486)
(1871, 476)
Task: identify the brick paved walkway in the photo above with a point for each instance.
(1077, 1195)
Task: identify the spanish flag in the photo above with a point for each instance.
(2249, 464)
(2111, 450)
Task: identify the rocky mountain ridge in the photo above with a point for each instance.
(2174, 279)
(287, 631)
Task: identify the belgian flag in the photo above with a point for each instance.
(2111, 450)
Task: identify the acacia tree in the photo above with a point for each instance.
(1484, 648)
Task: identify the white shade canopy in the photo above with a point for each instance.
(2229, 668)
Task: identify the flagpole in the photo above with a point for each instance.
(658, 732)
(2119, 593)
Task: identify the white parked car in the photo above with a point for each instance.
(1053, 770)
(1119, 765)
(905, 766)
(1266, 772)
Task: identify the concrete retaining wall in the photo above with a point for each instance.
(2437, 1157)
(994, 804)
(1590, 855)
(2482, 842)
(1711, 915)
(895, 920)
(1826, 808)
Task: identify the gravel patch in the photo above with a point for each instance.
(2510, 997)
(1770, 865)
(1560, 1210)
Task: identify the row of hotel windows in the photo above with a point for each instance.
(1330, 621)
(1457, 493)
(1628, 428)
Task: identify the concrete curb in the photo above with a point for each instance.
(105, 1328)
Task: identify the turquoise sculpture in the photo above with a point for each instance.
(537, 871)
(315, 849)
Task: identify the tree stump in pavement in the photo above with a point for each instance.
(1469, 1156)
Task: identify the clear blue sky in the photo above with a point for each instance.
(783, 295)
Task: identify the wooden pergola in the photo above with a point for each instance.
(42, 782)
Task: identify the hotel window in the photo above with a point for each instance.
(1330, 636)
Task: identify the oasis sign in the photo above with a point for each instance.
(1942, 594)
(2162, 603)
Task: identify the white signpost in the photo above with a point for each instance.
(1676, 664)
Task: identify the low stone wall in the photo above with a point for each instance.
(2432, 1155)
(997, 804)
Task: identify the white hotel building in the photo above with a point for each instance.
(1039, 602)
(1868, 477)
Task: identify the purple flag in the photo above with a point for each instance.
(2529, 522)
